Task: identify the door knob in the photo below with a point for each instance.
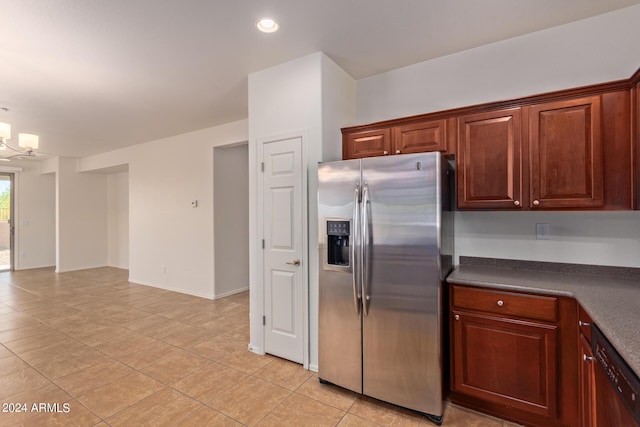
(295, 262)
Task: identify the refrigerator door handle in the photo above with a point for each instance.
(365, 247)
(355, 252)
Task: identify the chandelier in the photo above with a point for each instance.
(27, 142)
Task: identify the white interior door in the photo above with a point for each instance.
(283, 248)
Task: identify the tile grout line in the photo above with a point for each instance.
(138, 370)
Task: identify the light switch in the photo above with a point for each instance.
(194, 203)
(542, 231)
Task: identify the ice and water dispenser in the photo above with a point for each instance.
(338, 242)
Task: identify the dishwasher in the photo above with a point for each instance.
(617, 386)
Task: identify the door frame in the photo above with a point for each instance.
(14, 172)
(305, 240)
(12, 216)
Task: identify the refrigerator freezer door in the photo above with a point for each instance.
(340, 333)
(401, 329)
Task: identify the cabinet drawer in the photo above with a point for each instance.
(506, 303)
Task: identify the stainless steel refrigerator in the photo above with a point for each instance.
(385, 247)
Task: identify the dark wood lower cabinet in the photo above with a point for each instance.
(587, 364)
(512, 360)
(587, 386)
(507, 362)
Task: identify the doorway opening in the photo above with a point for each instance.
(231, 219)
(6, 221)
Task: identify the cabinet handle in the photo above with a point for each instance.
(587, 358)
(397, 151)
(536, 202)
(385, 152)
(457, 317)
(516, 202)
(581, 323)
(500, 303)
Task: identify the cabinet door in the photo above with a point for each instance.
(489, 160)
(420, 137)
(507, 362)
(368, 143)
(587, 385)
(566, 163)
(636, 138)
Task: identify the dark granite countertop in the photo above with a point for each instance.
(610, 295)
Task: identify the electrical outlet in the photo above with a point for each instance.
(543, 231)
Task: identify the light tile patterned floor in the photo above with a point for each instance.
(115, 353)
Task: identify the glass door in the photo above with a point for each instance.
(6, 221)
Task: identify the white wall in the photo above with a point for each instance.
(35, 210)
(338, 108)
(118, 220)
(601, 238)
(595, 50)
(313, 97)
(170, 243)
(81, 221)
(231, 219)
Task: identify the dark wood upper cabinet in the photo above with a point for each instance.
(489, 160)
(574, 149)
(420, 137)
(369, 143)
(617, 143)
(566, 154)
(636, 138)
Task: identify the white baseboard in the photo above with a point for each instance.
(233, 292)
(86, 267)
(254, 349)
(33, 267)
(121, 267)
(169, 288)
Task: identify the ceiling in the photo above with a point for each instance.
(93, 76)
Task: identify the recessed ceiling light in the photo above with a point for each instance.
(268, 25)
